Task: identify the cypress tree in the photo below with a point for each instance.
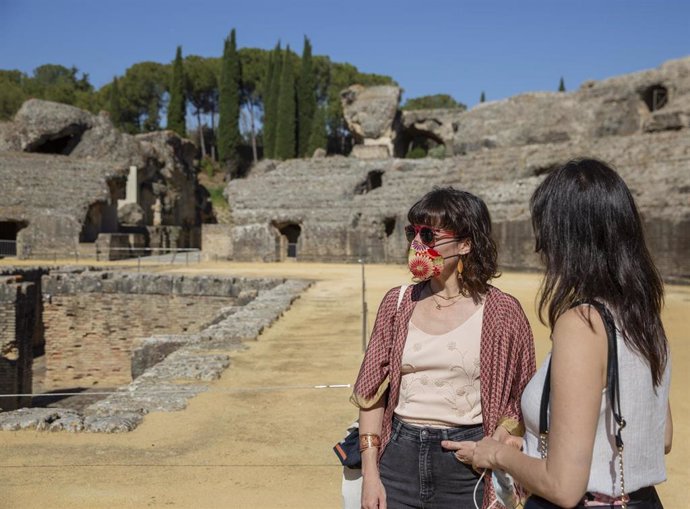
(482, 97)
(561, 85)
(286, 111)
(318, 137)
(115, 105)
(266, 99)
(271, 103)
(177, 105)
(306, 100)
(229, 105)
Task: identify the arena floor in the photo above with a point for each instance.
(262, 436)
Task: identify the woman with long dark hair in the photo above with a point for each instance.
(601, 436)
(447, 361)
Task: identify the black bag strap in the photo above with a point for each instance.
(612, 382)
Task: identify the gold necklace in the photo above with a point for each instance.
(439, 306)
(447, 298)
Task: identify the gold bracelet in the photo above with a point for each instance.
(368, 440)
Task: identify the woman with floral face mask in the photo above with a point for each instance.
(446, 364)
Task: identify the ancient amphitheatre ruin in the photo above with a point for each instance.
(207, 340)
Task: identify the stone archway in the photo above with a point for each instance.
(287, 241)
(8, 236)
(62, 143)
(101, 217)
(416, 143)
(655, 97)
(373, 180)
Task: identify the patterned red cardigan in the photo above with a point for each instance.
(506, 357)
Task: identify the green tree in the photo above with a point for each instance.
(306, 100)
(561, 85)
(115, 104)
(482, 97)
(286, 111)
(428, 102)
(318, 137)
(275, 67)
(12, 94)
(142, 88)
(229, 107)
(177, 106)
(254, 63)
(201, 90)
(59, 84)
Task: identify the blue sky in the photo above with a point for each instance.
(456, 47)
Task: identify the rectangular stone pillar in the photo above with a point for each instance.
(132, 189)
(19, 313)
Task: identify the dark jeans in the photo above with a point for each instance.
(418, 473)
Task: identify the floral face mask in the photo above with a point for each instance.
(425, 262)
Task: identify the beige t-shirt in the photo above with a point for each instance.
(440, 376)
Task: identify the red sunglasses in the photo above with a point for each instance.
(427, 234)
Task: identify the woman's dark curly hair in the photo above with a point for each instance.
(466, 215)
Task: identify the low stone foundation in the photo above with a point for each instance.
(94, 334)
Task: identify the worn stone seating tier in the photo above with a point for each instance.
(50, 197)
(346, 209)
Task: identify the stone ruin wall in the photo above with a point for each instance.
(64, 172)
(91, 324)
(167, 369)
(76, 328)
(342, 219)
(51, 197)
(343, 209)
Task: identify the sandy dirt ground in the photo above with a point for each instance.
(262, 436)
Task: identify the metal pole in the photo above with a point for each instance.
(364, 309)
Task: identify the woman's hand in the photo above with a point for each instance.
(502, 436)
(373, 493)
(464, 451)
(485, 453)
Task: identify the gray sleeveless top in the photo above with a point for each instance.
(644, 411)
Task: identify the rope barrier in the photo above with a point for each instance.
(231, 390)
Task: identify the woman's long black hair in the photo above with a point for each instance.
(589, 234)
(467, 216)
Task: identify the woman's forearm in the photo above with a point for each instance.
(371, 421)
(534, 475)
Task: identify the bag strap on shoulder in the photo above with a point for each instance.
(612, 381)
(401, 295)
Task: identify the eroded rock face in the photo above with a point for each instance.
(48, 127)
(131, 214)
(372, 114)
(647, 101)
(654, 100)
(438, 124)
